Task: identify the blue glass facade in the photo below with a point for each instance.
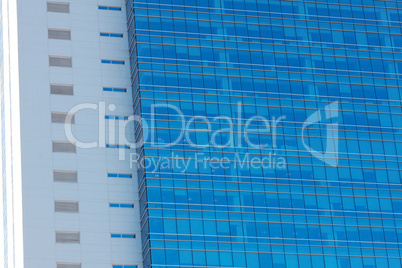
(271, 132)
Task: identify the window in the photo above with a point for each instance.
(117, 205)
(58, 7)
(119, 62)
(58, 89)
(114, 89)
(68, 265)
(117, 175)
(116, 117)
(117, 146)
(67, 237)
(59, 34)
(66, 206)
(59, 61)
(109, 8)
(61, 118)
(63, 147)
(111, 35)
(122, 235)
(64, 176)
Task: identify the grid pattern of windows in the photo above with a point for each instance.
(330, 71)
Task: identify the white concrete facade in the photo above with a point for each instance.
(30, 190)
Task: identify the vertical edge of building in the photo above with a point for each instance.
(12, 216)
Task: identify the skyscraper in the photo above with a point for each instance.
(65, 203)
(215, 133)
(271, 132)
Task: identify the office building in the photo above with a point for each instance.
(322, 77)
(65, 205)
(233, 133)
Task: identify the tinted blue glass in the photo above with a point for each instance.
(115, 175)
(120, 62)
(127, 236)
(126, 205)
(117, 146)
(115, 8)
(111, 35)
(115, 235)
(114, 205)
(116, 35)
(114, 89)
(115, 117)
(109, 8)
(290, 154)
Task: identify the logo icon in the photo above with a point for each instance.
(330, 156)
